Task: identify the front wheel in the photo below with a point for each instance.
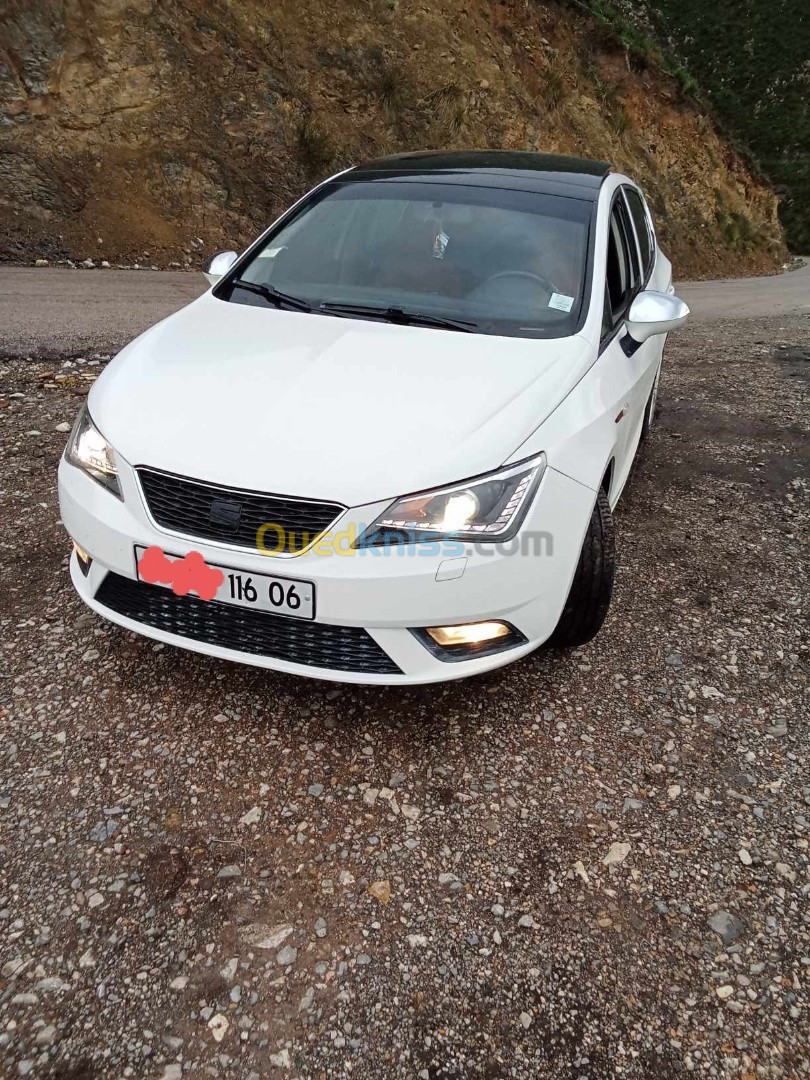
(592, 587)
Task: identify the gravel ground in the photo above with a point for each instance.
(590, 864)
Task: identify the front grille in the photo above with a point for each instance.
(317, 645)
(233, 516)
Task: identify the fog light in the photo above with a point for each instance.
(469, 640)
(468, 634)
(83, 557)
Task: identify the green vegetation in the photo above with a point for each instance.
(639, 44)
(736, 230)
(751, 61)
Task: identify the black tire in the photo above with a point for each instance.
(592, 587)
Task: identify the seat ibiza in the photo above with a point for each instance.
(385, 446)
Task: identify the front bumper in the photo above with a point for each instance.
(524, 582)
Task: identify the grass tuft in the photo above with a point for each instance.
(448, 104)
(314, 148)
(388, 90)
(555, 89)
(620, 121)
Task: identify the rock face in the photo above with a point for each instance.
(142, 131)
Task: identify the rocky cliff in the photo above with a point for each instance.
(150, 130)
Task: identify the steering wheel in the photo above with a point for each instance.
(523, 275)
(515, 286)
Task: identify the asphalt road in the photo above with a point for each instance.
(60, 312)
(746, 298)
(589, 865)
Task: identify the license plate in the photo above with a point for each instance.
(262, 592)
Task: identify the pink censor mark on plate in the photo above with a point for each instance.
(189, 574)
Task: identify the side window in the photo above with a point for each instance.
(627, 232)
(622, 267)
(640, 220)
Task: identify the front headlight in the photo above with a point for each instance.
(491, 508)
(89, 451)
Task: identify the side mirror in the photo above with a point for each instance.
(654, 313)
(218, 265)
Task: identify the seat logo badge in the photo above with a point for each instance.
(225, 513)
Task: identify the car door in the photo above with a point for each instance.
(631, 367)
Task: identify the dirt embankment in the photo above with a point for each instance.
(134, 131)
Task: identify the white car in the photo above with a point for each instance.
(386, 445)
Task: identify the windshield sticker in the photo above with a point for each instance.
(561, 302)
(440, 244)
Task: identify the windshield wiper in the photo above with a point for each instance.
(273, 295)
(398, 315)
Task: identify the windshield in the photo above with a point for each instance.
(498, 261)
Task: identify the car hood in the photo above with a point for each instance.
(326, 408)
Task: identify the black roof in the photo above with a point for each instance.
(525, 170)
